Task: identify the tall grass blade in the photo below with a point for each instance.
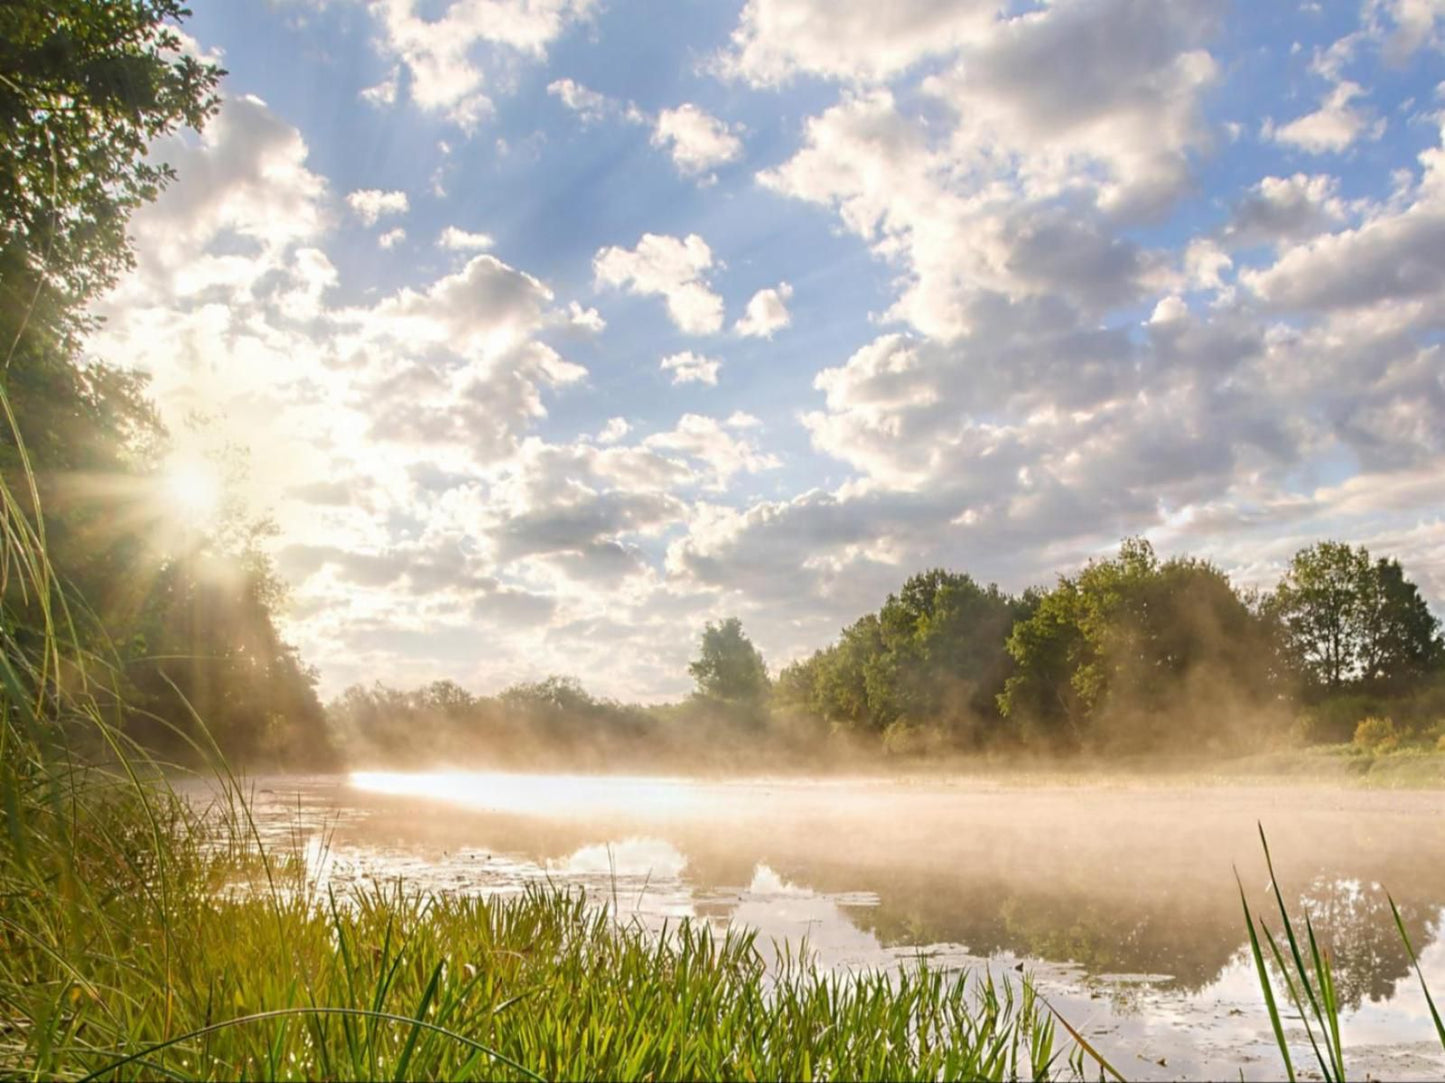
(1264, 984)
(1429, 1000)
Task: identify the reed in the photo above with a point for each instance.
(1307, 992)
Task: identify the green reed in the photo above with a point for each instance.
(1308, 981)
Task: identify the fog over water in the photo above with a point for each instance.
(1119, 897)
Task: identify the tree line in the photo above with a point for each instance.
(1131, 653)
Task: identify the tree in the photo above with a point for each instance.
(85, 88)
(729, 669)
(1348, 621)
(1138, 651)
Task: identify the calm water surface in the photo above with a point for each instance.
(1120, 899)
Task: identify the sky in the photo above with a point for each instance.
(550, 330)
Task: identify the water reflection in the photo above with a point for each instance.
(1121, 898)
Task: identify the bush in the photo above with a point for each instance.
(1377, 734)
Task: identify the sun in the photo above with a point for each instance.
(193, 489)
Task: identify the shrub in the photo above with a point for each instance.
(1377, 734)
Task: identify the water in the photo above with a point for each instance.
(1120, 899)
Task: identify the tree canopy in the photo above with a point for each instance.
(1133, 649)
(728, 668)
(1347, 621)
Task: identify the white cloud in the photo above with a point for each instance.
(1285, 209)
(691, 368)
(767, 312)
(462, 240)
(1406, 26)
(391, 238)
(697, 141)
(957, 245)
(372, 204)
(707, 441)
(587, 104)
(1393, 264)
(441, 54)
(615, 429)
(667, 267)
(384, 92)
(1048, 371)
(1169, 309)
(854, 39)
(1334, 126)
(588, 321)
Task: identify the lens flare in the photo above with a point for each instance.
(194, 489)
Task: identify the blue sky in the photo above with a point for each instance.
(552, 329)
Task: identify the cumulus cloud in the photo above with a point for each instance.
(778, 39)
(691, 368)
(382, 93)
(462, 240)
(393, 429)
(391, 238)
(767, 312)
(1406, 26)
(372, 204)
(707, 441)
(1394, 262)
(1047, 370)
(1334, 126)
(442, 54)
(697, 141)
(615, 429)
(669, 267)
(1286, 209)
(587, 104)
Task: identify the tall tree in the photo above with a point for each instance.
(86, 88)
(729, 669)
(1349, 621)
(1135, 649)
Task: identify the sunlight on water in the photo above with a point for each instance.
(551, 795)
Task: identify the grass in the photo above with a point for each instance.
(386, 984)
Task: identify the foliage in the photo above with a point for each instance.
(1138, 651)
(1348, 622)
(932, 658)
(554, 720)
(85, 88)
(729, 669)
(1376, 734)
